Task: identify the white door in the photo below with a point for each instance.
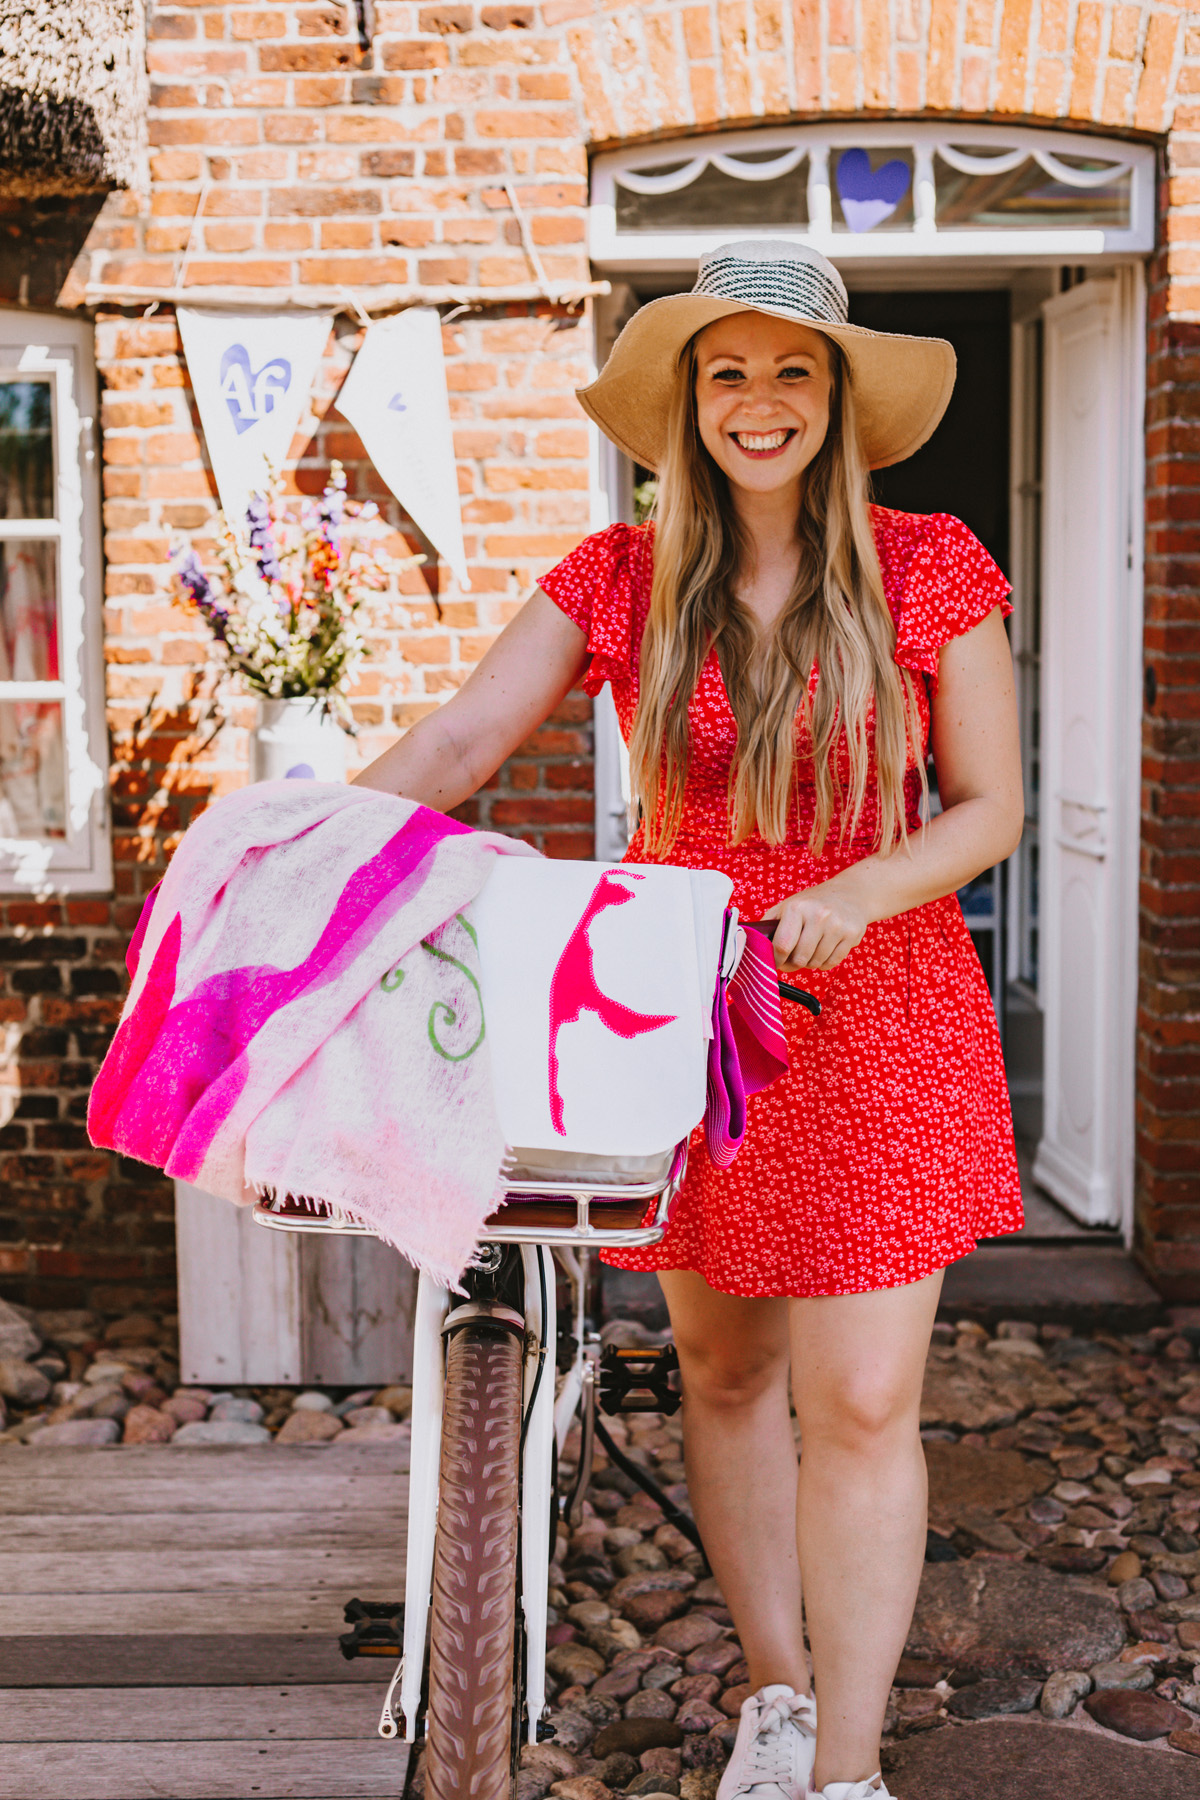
(1090, 732)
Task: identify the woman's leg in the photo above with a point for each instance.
(740, 1456)
(857, 1365)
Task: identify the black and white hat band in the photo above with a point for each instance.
(808, 289)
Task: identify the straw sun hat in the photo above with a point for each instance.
(902, 385)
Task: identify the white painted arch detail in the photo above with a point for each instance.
(669, 167)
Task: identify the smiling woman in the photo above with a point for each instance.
(781, 653)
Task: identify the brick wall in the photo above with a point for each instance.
(320, 166)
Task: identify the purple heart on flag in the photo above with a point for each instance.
(250, 394)
(869, 196)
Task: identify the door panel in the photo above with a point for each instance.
(1089, 680)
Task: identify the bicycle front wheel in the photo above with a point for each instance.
(469, 1723)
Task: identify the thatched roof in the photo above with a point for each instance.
(73, 95)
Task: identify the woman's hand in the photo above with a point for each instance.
(818, 928)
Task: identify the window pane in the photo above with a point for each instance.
(26, 451)
(32, 782)
(28, 611)
(872, 190)
(1027, 198)
(715, 199)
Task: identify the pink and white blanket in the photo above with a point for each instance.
(258, 1051)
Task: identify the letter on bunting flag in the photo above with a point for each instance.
(395, 398)
(252, 375)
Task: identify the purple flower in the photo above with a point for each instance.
(189, 572)
(331, 508)
(262, 541)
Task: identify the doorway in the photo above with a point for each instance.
(1038, 350)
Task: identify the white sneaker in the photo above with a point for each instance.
(874, 1789)
(775, 1749)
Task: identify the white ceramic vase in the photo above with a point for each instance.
(295, 739)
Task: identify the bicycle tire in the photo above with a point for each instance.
(469, 1722)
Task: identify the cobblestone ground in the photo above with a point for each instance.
(1062, 1575)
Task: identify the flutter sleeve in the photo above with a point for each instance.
(951, 586)
(596, 585)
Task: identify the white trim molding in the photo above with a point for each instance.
(1072, 160)
(59, 352)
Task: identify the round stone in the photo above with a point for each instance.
(699, 1715)
(990, 1698)
(686, 1635)
(1126, 1567)
(714, 1658)
(1135, 1715)
(992, 1618)
(186, 1407)
(1122, 1675)
(1135, 1595)
(397, 1399)
(637, 1735)
(221, 1431)
(246, 1412)
(733, 1699)
(589, 1612)
(575, 1663)
(308, 1426)
(88, 1434)
(650, 1611)
(1063, 1692)
(650, 1703)
(20, 1381)
(147, 1425)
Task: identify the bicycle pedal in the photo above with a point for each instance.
(377, 1628)
(639, 1380)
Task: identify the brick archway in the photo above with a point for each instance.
(682, 66)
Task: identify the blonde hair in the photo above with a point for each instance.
(836, 616)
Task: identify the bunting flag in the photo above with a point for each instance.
(252, 375)
(395, 398)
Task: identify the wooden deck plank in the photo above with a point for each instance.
(118, 1715)
(186, 1571)
(236, 1493)
(343, 1529)
(248, 1770)
(184, 1661)
(263, 1613)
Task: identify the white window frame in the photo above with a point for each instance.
(33, 344)
(674, 250)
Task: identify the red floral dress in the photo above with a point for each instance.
(887, 1150)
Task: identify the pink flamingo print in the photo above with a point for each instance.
(574, 989)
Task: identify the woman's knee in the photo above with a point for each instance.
(867, 1413)
(729, 1375)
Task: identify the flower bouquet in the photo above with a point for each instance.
(291, 608)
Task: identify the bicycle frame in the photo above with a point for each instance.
(548, 1420)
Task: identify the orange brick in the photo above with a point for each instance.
(1048, 86)
(225, 239)
(806, 37)
(940, 55)
(239, 274)
(287, 237)
(1123, 32)
(257, 25)
(908, 81)
(706, 104)
(1012, 61)
(876, 47)
(976, 73)
(526, 123)
(1088, 23)
(734, 27)
(1118, 88)
(589, 67)
(1157, 58)
(843, 80)
(980, 18)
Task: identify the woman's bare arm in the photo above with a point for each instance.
(976, 748)
(450, 753)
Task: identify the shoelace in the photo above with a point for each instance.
(768, 1758)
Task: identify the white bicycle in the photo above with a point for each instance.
(602, 1111)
